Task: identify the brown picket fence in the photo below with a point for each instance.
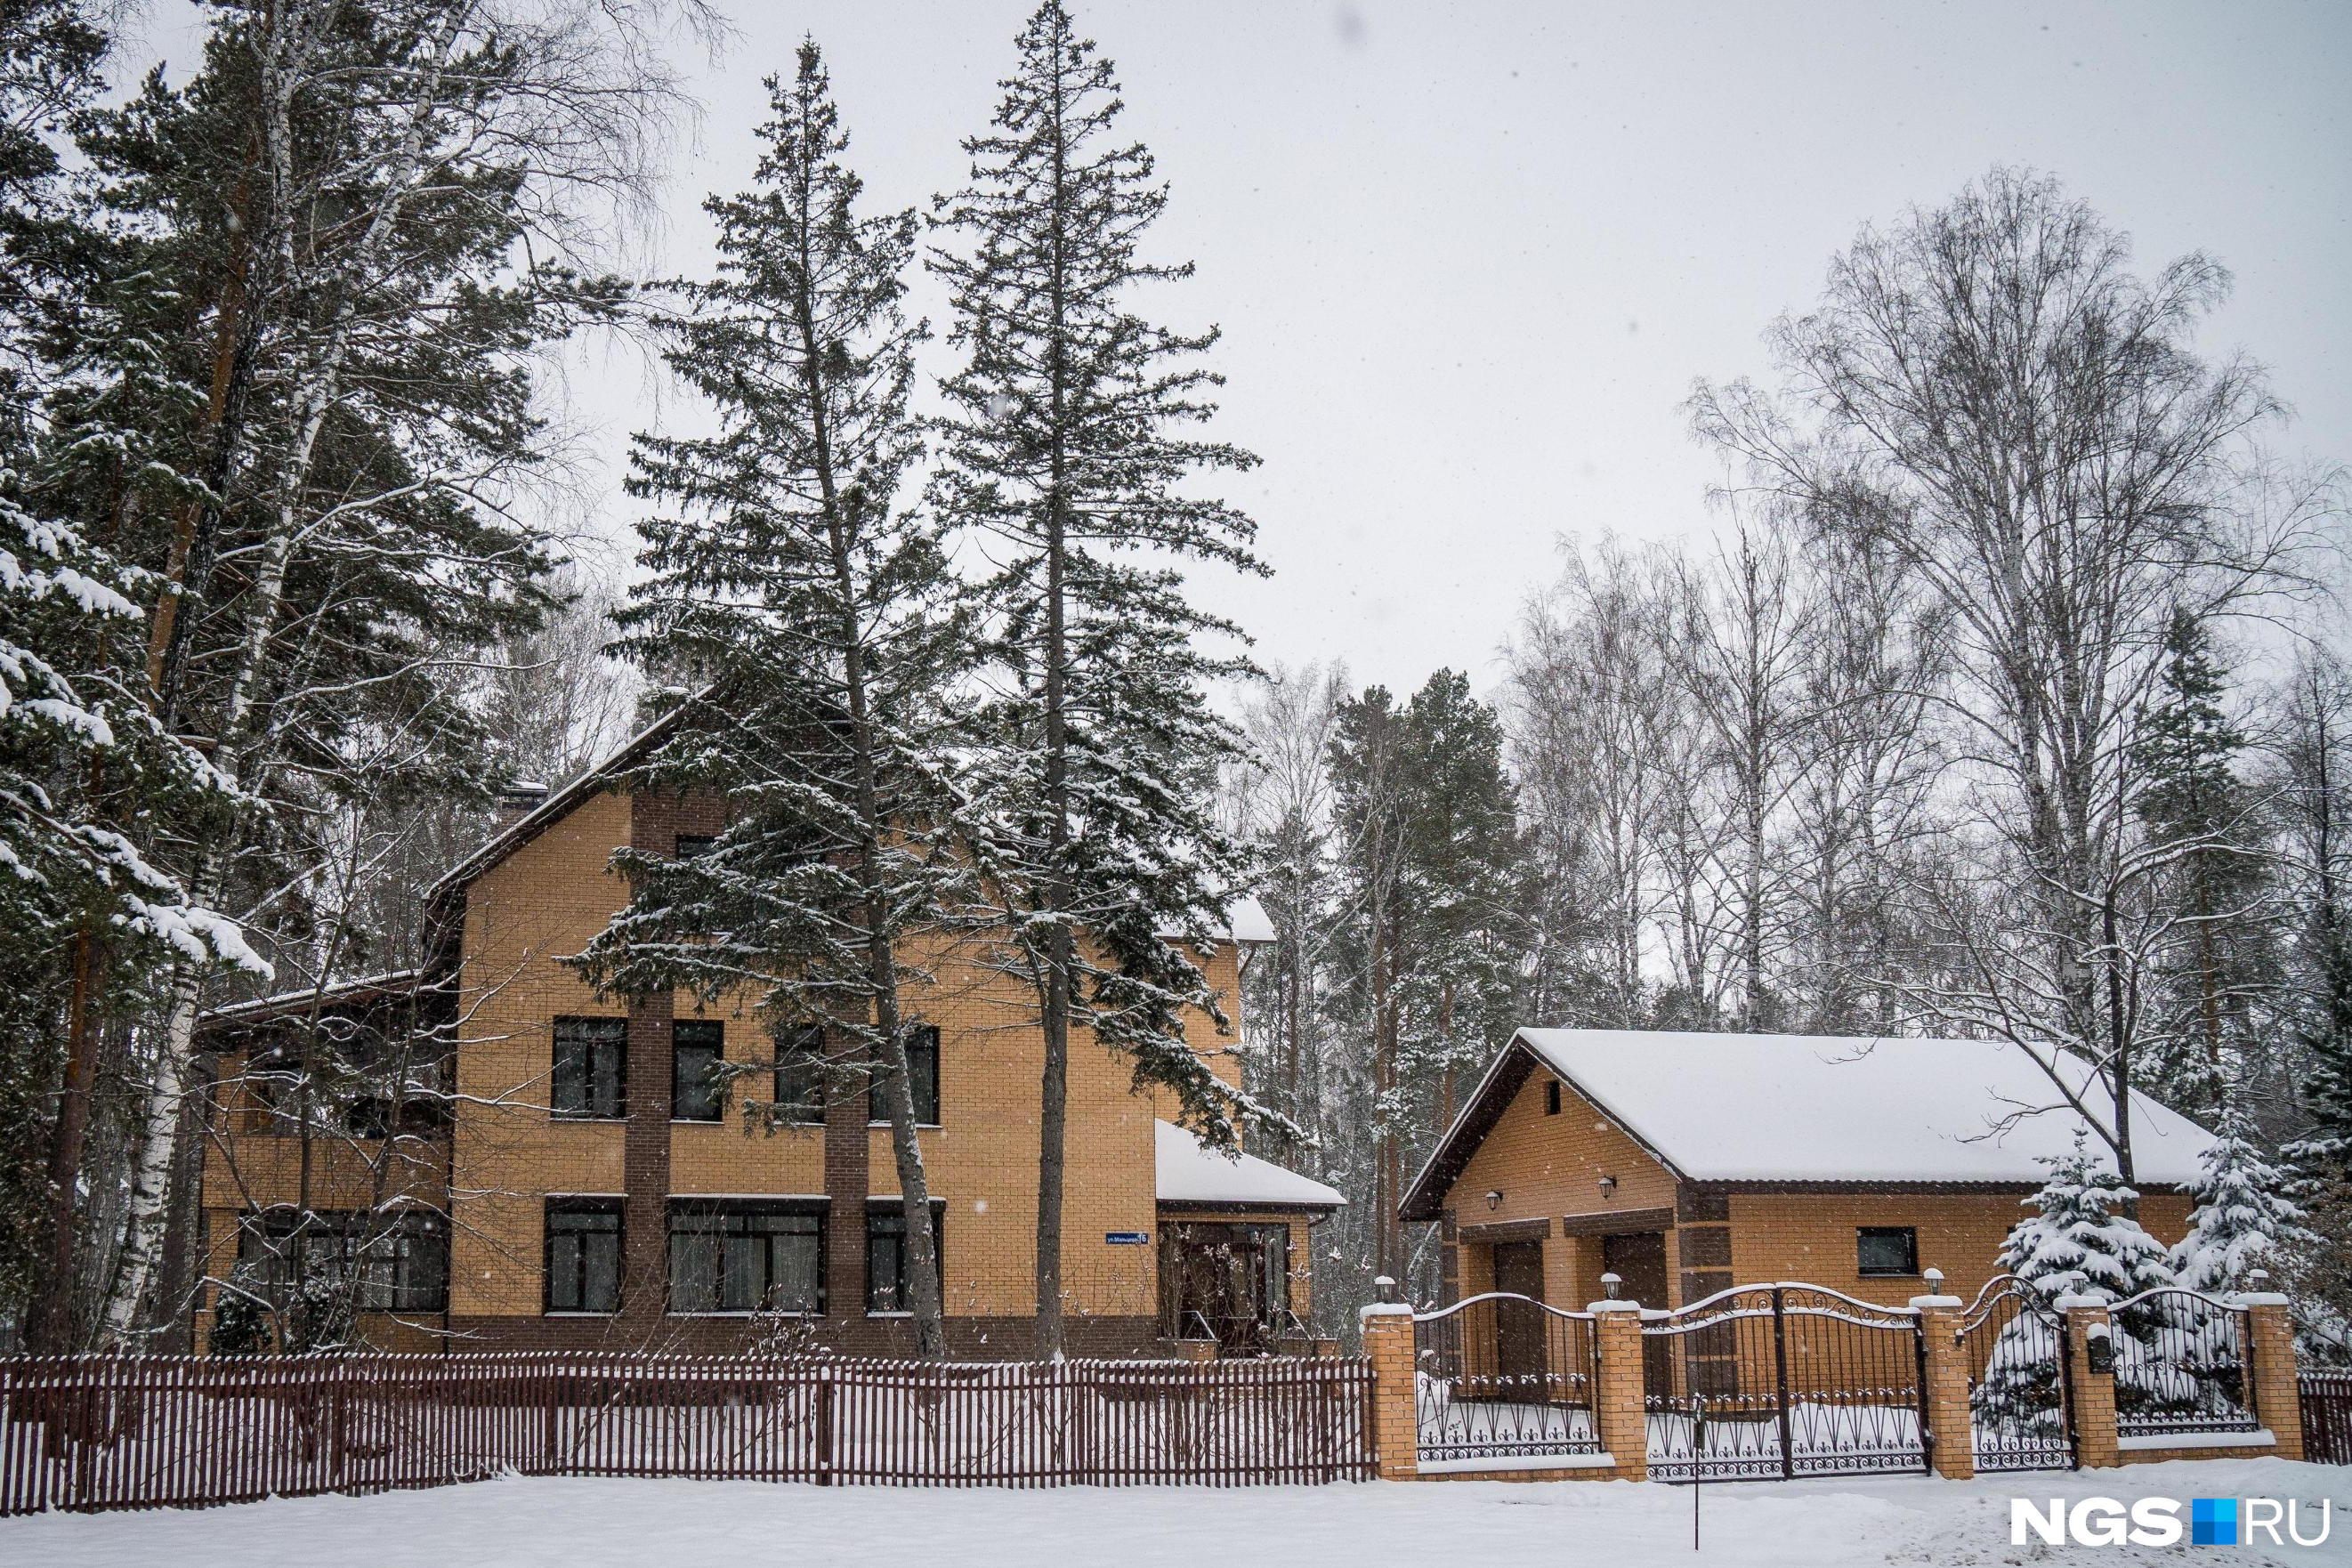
(2326, 1401)
(164, 1431)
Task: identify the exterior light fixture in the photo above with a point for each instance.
(1495, 1198)
(1608, 1187)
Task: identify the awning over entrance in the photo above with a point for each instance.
(1188, 1173)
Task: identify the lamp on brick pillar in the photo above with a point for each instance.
(1620, 1391)
(1394, 1433)
(2091, 1380)
(1943, 1382)
(2270, 1334)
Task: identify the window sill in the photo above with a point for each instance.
(697, 1121)
(871, 1313)
(1888, 1274)
(674, 1312)
(576, 1313)
(572, 1117)
(919, 1126)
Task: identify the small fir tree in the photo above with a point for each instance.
(2243, 1220)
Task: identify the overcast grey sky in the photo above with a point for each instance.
(1468, 258)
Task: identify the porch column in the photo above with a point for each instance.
(2270, 1333)
(1619, 1397)
(1395, 1421)
(1944, 1384)
(2092, 1392)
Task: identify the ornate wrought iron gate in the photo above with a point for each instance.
(1781, 1381)
(1503, 1382)
(2020, 1408)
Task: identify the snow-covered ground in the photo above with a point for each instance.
(566, 1523)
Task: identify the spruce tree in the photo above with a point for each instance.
(1066, 446)
(2243, 1218)
(2075, 1242)
(2197, 817)
(821, 628)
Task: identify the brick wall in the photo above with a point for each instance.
(546, 899)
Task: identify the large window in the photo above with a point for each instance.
(386, 1263)
(583, 1254)
(923, 1070)
(696, 1045)
(1886, 1249)
(888, 1259)
(746, 1257)
(591, 1067)
(800, 1075)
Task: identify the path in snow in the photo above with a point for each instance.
(579, 1523)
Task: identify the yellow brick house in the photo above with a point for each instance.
(1687, 1162)
(562, 1176)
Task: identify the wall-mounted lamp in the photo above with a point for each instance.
(1608, 1187)
(1495, 1198)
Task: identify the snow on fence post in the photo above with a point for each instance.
(1395, 1416)
(1620, 1393)
(1944, 1388)
(2091, 1392)
(2270, 1346)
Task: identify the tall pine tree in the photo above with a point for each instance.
(821, 626)
(1066, 446)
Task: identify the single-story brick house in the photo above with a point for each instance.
(1686, 1163)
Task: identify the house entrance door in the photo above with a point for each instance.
(1639, 1261)
(1227, 1283)
(1519, 1324)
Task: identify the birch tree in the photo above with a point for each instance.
(1989, 392)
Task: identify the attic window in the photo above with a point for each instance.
(1551, 1098)
(1884, 1250)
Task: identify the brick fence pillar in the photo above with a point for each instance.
(1944, 1394)
(2277, 1404)
(1620, 1395)
(2092, 1393)
(1395, 1421)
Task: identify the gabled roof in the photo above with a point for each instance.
(1795, 1110)
(1188, 1171)
(393, 985)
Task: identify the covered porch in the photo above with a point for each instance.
(1232, 1250)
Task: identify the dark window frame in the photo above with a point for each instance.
(616, 1209)
(398, 1265)
(690, 845)
(723, 1210)
(1552, 1096)
(892, 1212)
(798, 1049)
(922, 1050)
(1866, 1233)
(696, 1035)
(610, 1032)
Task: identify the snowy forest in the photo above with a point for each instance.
(1999, 693)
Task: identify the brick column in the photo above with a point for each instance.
(1395, 1422)
(2277, 1405)
(2092, 1393)
(1619, 1397)
(1951, 1436)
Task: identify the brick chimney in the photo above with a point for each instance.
(517, 801)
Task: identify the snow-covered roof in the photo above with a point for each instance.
(392, 982)
(1818, 1108)
(1189, 1172)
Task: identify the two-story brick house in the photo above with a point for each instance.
(560, 1172)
